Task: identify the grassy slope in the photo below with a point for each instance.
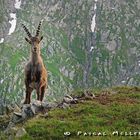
(113, 109)
(107, 113)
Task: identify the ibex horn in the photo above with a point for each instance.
(38, 28)
(26, 30)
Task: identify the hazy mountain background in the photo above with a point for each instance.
(75, 55)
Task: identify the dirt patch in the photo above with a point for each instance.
(104, 99)
(126, 100)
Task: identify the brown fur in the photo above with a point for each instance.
(35, 71)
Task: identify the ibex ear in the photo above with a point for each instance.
(29, 41)
(41, 38)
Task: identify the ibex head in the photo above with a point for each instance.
(33, 40)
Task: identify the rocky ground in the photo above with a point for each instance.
(94, 110)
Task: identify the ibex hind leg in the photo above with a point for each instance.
(28, 95)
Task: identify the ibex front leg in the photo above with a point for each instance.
(38, 86)
(28, 95)
(38, 91)
(28, 88)
(42, 92)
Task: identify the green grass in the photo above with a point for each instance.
(14, 60)
(77, 51)
(107, 113)
(55, 71)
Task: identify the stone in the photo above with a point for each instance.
(17, 108)
(75, 100)
(70, 100)
(67, 99)
(27, 111)
(111, 46)
(11, 129)
(89, 95)
(21, 132)
(36, 107)
(46, 115)
(65, 105)
(18, 114)
(49, 105)
(17, 117)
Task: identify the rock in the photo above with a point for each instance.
(89, 95)
(111, 46)
(21, 132)
(49, 105)
(10, 128)
(65, 105)
(75, 100)
(18, 114)
(17, 108)
(17, 117)
(46, 115)
(13, 130)
(4, 121)
(36, 107)
(67, 99)
(70, 100)
(27, 111)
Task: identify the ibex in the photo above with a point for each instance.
(35, 72)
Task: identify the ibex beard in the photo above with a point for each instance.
(35, 71)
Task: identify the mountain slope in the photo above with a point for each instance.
(67, 45)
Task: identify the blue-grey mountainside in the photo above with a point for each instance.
(86, 44)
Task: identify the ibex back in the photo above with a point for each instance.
(35, 71)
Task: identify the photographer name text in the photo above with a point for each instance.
(114, 133)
